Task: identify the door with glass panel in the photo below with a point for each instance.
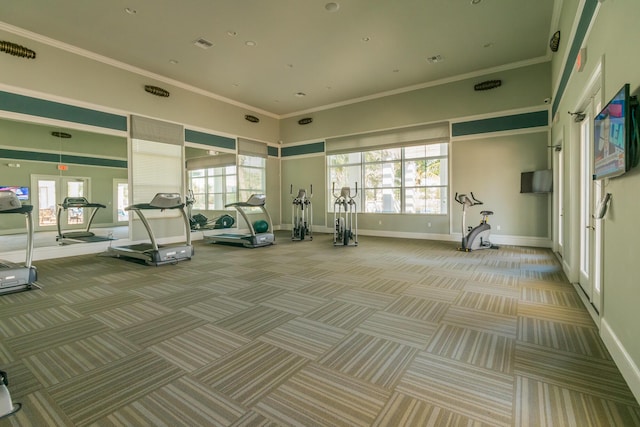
(51, 191)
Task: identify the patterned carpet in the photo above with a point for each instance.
(390, 333)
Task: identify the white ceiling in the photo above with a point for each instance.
(300, 46)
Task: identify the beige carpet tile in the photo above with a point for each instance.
(223, 284)
(255, 321)
(375, 300)
(67, 361)
(95, 394)
(304, 337)
(257, 294)
(253, 419)
(490, 289)
(555, 313)
(259, 275)
(131, 314)
(474, 347)
(316, 396)
(579, 339)
(495, 278)
(198, 347)
(295, 302)
(158, 289)
(418, 308)
(535, 274)
(250, 372)
(540, 404)
(399, 329)
(564, 298)
(341, 314)
(443, 281)
(486, 302)
(482, 321)
(182, 403)
(585, 374)
(104, 303)
(11, 305)
(120, 276)
(34, 342)
(433, 293)
(449, 276)
(22, 380)
(402, 410)
(75, 296)
(480, 394)
(403, 275)
(216, 308)
(368, 358)
(184, 297)
(387, 286)
(38, 410)
(289, 282)
(159, 329)
(35, 320)
(323, 288)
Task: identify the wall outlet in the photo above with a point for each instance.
(498, 227)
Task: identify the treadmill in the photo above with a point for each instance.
(17, 277)
(152, 253)
(78, 236)
(253, 239)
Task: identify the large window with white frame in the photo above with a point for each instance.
(251, 176)
(213, 188)
(397, 180)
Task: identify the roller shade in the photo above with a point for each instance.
(156, 130)
(248, 147)
(211, 161)
(416, 135)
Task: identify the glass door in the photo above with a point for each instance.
(51, 192)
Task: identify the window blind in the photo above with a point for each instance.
(248, 147)
(156, 130)
(403, 137)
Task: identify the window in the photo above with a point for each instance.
(251, 176)
(395, 180)
(213, 188)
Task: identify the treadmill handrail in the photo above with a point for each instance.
(149, 206)
(75, 203)
(256, 200)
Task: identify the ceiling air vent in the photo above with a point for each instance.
(203, 43)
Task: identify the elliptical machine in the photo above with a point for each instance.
(301, 214)
(477, 237)
(345, 217)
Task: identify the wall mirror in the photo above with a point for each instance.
(49, 163)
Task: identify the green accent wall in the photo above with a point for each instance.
(505, 123)
(56, 110)
(273, 151)
(298, 150)
(209, 139)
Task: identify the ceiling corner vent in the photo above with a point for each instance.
(203, 43)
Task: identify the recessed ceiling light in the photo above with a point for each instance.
(300, 94)
(366, 39)
(332, 7)
(232, 33)
(250, 43)
(130, 11)
(475, 1)
(173, 61)
(435, 59)
(203, 43)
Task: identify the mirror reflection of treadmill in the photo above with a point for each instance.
(152, 253)
(15, 277)
(253, 239)
(78, 236)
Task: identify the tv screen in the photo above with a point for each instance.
(537, 181)
(21, 192)
(611, 135)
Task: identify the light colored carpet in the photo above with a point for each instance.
(390, 333)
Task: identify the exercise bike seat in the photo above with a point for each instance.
(486, 213)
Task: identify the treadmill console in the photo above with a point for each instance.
(9, 201)
(75, 202)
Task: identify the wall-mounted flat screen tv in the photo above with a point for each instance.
(21, 192)
(537, 181)
(614, 145)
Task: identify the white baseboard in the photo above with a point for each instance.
(630, 371)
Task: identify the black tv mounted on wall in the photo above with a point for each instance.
(537, 181)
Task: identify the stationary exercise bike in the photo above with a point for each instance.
(301, 214)
(477, 237)
(345, 217)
